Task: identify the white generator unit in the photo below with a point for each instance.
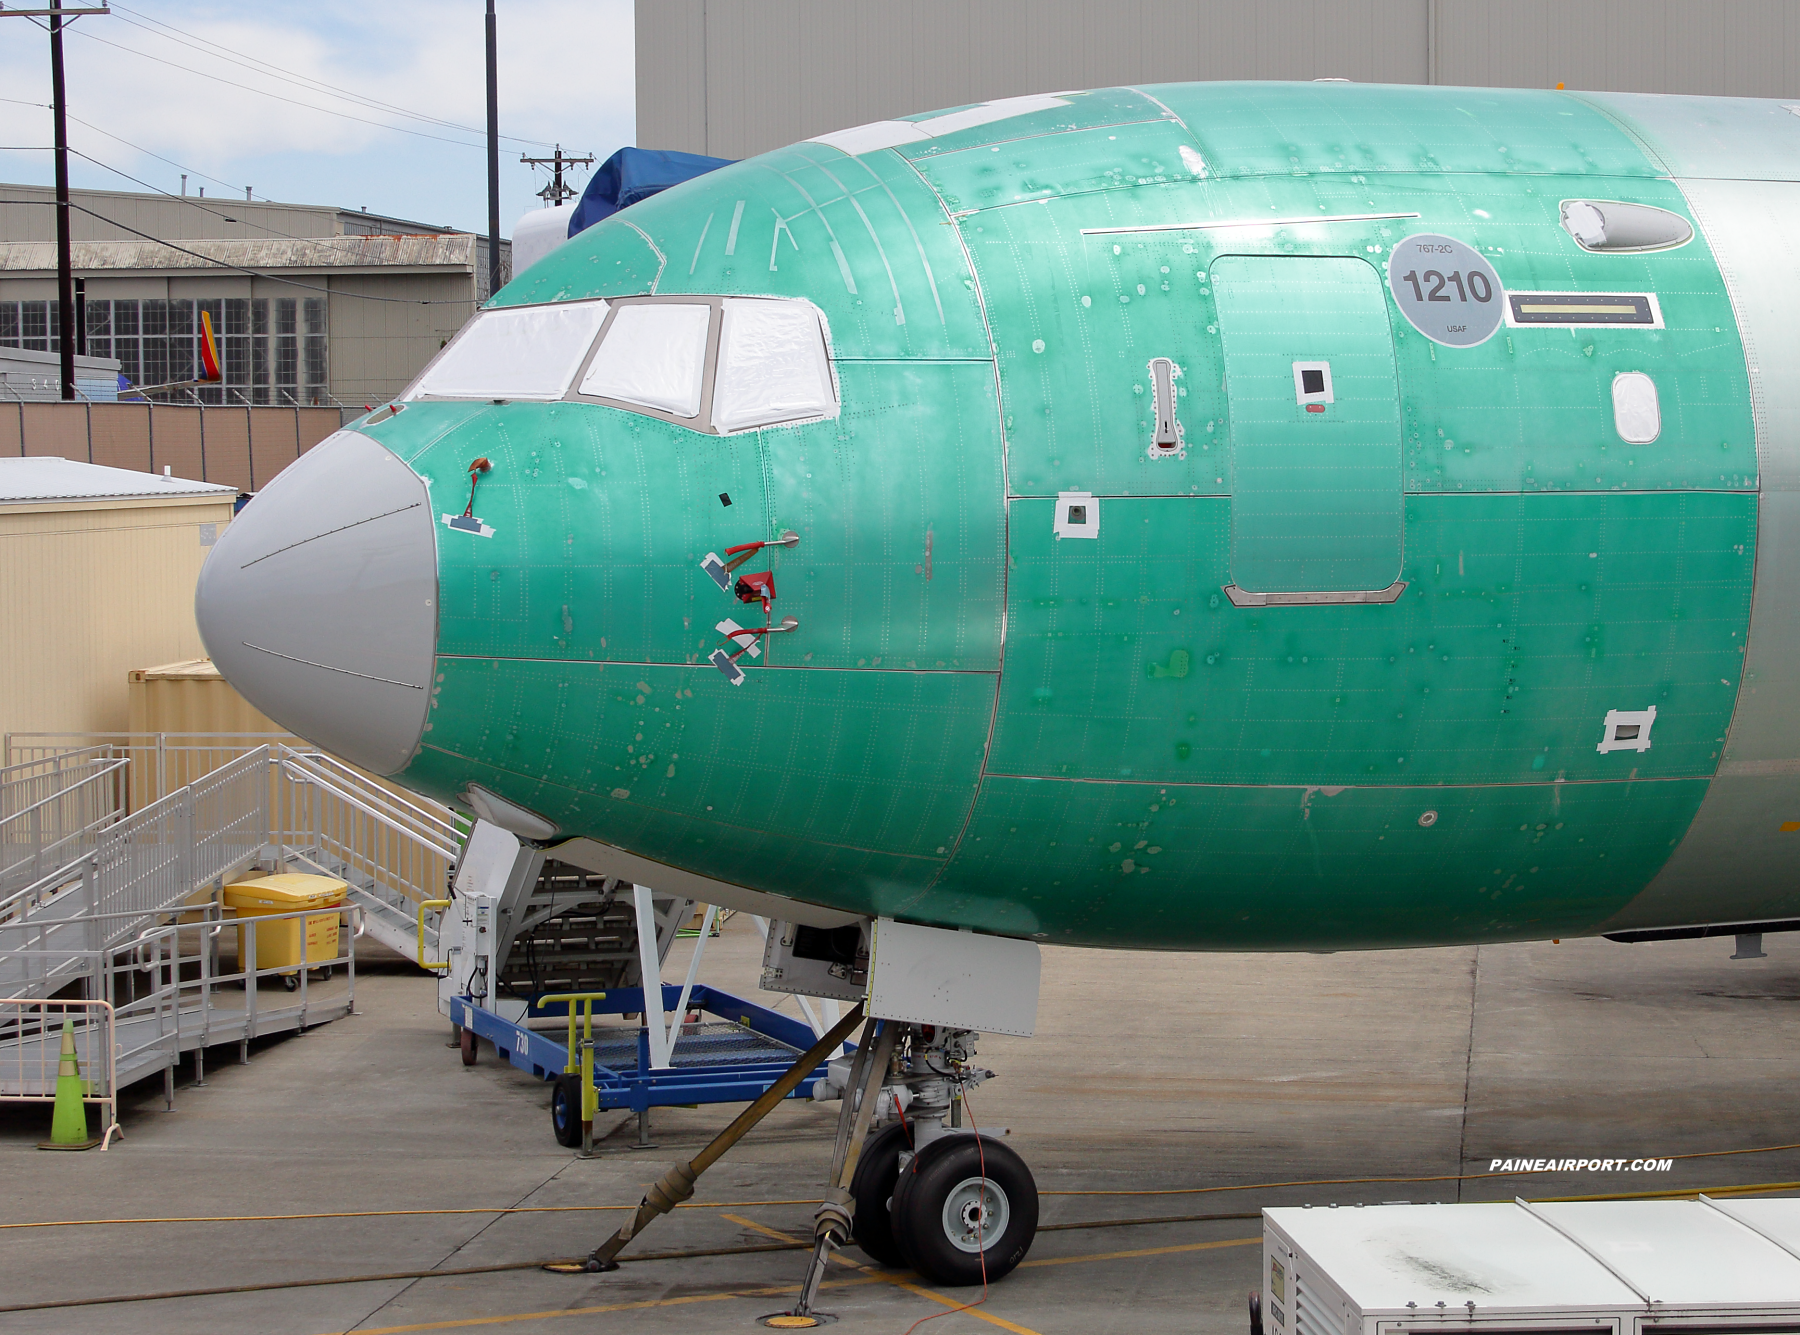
(1569, 1268)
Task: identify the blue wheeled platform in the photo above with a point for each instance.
(732, 1058)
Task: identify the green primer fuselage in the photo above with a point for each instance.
(978, 723)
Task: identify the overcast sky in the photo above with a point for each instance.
(161, 75)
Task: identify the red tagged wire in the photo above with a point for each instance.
(980, 1228)
(476, 469)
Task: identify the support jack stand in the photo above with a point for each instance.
(677, 1184)
(835, 1220)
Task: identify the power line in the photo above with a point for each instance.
(189, 200)
(264, 92)
(200, 204)
(247, 61)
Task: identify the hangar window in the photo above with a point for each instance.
(772, 365)
(653, 356)
(514, 352)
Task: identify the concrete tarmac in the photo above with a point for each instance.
(1197, 1081)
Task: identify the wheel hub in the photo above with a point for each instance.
(976, 1213)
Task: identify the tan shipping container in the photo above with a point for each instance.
(91, 587)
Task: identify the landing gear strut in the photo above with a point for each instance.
(958, 1207)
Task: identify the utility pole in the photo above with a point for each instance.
(65, 263)
(493, 128)
(65, 256)
(556, 192)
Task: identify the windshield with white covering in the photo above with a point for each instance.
(713, 364)
(519, 352)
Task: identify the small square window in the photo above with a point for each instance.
(1627, 730)
(1312, 383)
(1077, 515)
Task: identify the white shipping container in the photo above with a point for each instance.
(1571, 1268)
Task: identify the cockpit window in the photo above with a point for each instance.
(772, 365)
(712, 364)
(522, 352)
(653, 356)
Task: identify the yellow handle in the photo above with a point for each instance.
(590, 1098)
(423, 962)
(571, 997)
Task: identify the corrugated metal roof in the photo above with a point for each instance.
(50, 479)
(454, 250)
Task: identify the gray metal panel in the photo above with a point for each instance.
(671, 75)
(1736, 863)
(777, 71)
(1748, 48)
(737, 77)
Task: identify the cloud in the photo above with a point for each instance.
(565, 75)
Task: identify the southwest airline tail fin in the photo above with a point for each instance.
(209, 350)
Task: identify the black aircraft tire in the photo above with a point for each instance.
(565, 1110)
(877, 1175)
(942, 1186)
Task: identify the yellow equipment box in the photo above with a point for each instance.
(280, 944)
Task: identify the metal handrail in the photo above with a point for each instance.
(43, 1028)
(443, 818)
(106, 769)
(140, 868)
(443, 838)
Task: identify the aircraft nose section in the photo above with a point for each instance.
(319, 602)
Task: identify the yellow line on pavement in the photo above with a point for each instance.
(464, 1322)
(1142, 1251)
(865, 1275)
(895, 1280)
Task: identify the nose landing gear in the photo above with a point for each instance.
(958, 1206)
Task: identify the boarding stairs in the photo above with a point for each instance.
(125, 907)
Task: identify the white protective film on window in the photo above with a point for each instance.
(772, 365)
(521, 352)
(1636, 413)
(654, 355)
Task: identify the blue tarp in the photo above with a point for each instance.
(632, 174)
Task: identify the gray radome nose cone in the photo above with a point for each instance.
(319, 602)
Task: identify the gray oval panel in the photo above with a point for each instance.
(1445, 289)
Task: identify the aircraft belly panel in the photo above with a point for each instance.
(1175, 867)
(846, 788)
(1525, 620)
(1315, 503)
